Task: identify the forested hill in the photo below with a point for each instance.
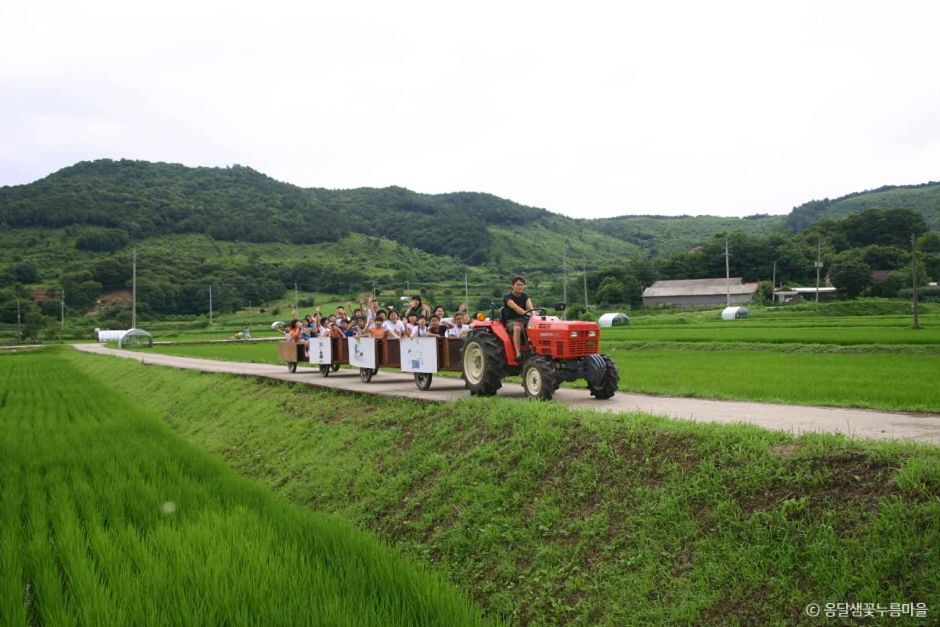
(924, 199)
(115, 202)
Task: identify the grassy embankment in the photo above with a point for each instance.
(109, 518)
(553, 516)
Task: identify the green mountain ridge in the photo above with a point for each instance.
(923, 198)
(237, 203)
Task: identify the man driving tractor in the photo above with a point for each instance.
(515, 305)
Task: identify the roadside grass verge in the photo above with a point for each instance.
(891, 381)
(107, 517)
(553, 516)
(251, 352)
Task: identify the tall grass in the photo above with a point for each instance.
(108, 518)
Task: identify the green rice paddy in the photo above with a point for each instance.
(109, 518)
(792, 333)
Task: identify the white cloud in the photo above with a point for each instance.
(605, 108)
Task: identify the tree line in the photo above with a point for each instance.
(851, 250)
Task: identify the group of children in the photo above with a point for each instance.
(372, 321)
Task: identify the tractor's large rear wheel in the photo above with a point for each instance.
(483, 363)
(609, 386)
(538, 378)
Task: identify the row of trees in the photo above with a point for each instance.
(851, 250)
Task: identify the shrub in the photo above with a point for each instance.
(929, 294)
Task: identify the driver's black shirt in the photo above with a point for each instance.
(512, 314)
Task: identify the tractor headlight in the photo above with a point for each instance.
(592, 333)
(574, 334)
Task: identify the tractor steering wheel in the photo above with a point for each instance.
(538, 310)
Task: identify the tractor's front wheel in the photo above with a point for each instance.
(365, 374)
(538, 379)
(325, 370)
(609, 386)
(483, 363)
(292, 367)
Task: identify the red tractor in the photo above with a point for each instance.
(553, 350)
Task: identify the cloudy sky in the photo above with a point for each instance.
(588, 109)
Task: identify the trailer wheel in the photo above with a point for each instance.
(609, 387)
(365, 374)
(538, 379)
(483, 363)
(292, 367)
(423, 380)
(325, 370)
(335, 367)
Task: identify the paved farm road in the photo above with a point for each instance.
(791, 418)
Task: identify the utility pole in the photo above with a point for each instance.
(773, 285)
(584, 268)
(727, 276)
(62, 307)
(134, 291)
(914, 277)
(818, 265)
(373, 289)
(210, 304)
(564, 282)
(466, 288)
(296, 310)
(19, 324)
